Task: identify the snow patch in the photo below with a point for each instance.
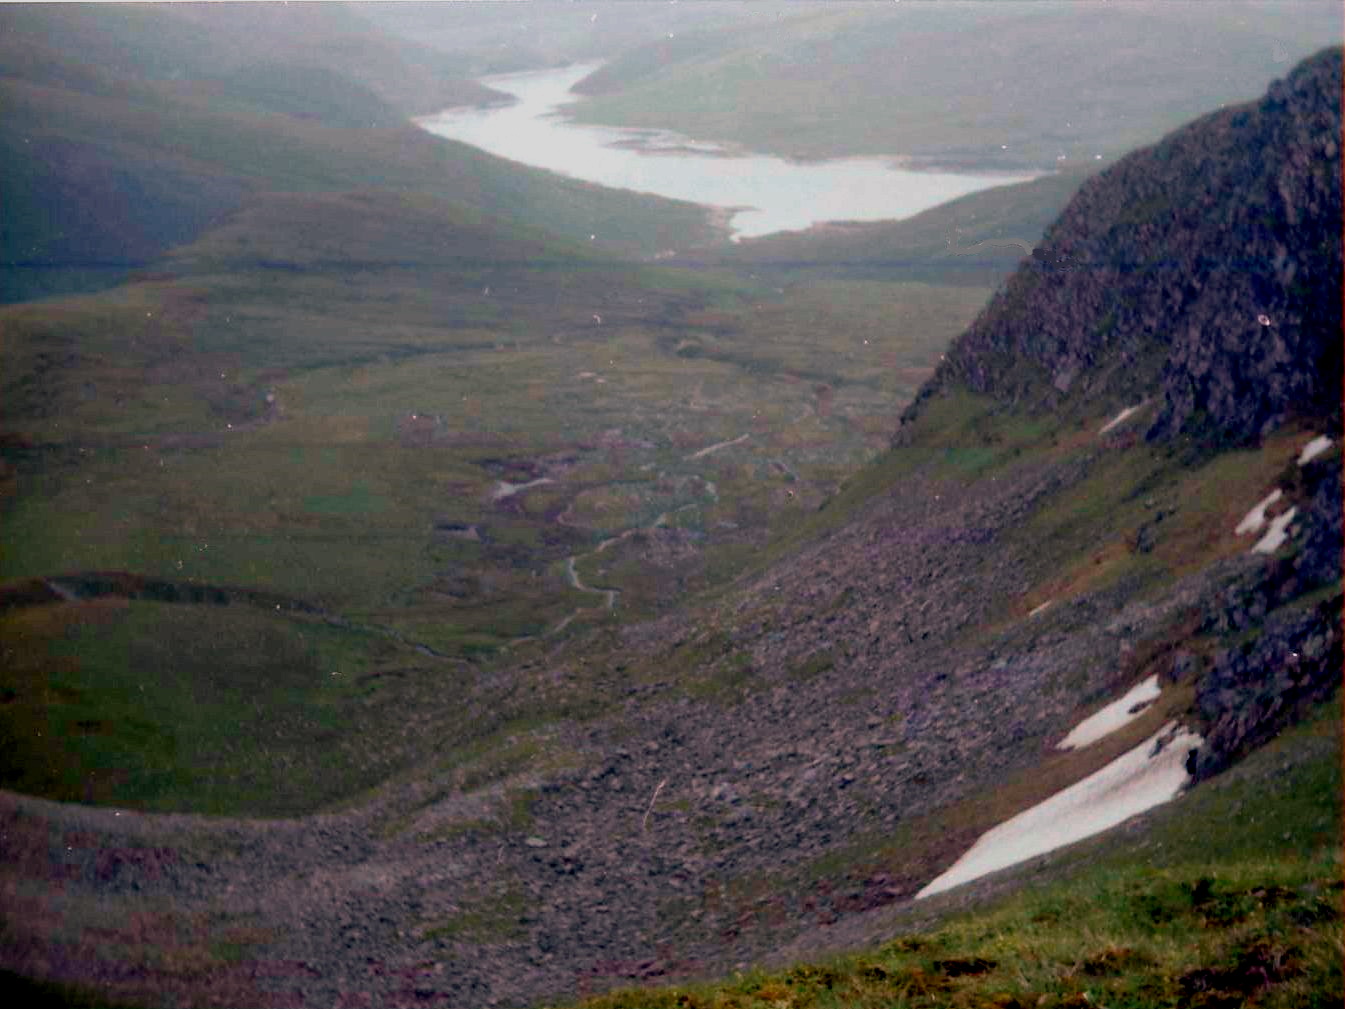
(1149, 775)
(1276, 534)
(504, 488)
(701, 453)
(1119, 713)
(1121, 417)
(1256, 518)
(1040, 609)
(1313, 449)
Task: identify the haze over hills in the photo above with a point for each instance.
(1001, 84)
(129, 130)
(499, 617)
(493, 38)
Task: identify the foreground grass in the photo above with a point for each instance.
(1232, 897)
(1222, 935)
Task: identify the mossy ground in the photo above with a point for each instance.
(206, 708)
(336, 433)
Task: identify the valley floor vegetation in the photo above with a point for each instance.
(417, 589)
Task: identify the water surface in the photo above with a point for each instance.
(763, 193)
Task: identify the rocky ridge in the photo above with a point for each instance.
(1158, 281)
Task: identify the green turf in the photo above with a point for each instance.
(322, 397)
(206, 708)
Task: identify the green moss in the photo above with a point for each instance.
(206, 708)
(359, 501)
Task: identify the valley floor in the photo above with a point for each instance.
(765, 771)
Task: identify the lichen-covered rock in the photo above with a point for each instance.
(1288, 656)
(1316, 562)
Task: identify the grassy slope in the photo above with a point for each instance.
(492, 38)
(1117, 929)
(977, 239)
(322, 337)
(147, 132)
(113, 161)
(415, 351)
(131, 704)
(220, 44)
(1120, 77)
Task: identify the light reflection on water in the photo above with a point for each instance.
(766, 193)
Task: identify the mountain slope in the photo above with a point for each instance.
(1153, 283)
(996, 84)
(803, 750)
(129, 130)
(978, 239)
(217, 44)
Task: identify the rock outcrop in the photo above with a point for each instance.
(1205, 270)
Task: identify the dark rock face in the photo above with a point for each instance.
(1205, 270)
(1246, 602)
(1255, 690)
(1290, 655)
(1318, 563)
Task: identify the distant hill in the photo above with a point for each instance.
(977, 239)
(486, 38)
(1006, 84)
(128, 130)
(186, 43)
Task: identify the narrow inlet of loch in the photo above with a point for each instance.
(764, 194)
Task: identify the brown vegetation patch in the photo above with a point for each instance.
(1115, 961)
(1253, 967)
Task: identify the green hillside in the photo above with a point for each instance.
(977, 239)
(407, 598)
(108, 168)
(206, 44)
(320, 399)
(991, 84)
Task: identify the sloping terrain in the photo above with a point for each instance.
(977, 239)
(484, 39)
(262, 55)
(785, 761)
(1034, 85)
(425, 434)
(129, 130)
(1231, 278)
